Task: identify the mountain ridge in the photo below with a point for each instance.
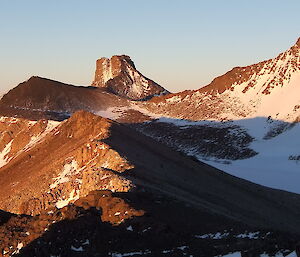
(241, 92)
(95, 153)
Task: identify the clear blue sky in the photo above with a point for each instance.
(180, 44)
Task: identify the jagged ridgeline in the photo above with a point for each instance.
(116, 168)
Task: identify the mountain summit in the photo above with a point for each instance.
(120, 76)
(268, 88)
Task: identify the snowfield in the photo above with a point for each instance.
(277, 142)
(265, 103)
(276, 163)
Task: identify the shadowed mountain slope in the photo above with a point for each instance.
(135, 224)
(87, 152)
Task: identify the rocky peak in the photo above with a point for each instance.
(107, 69)
(82, 121)
(39, 81)
(266, 75)
(120, 76)
(298, 42)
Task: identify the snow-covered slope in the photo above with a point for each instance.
(276, 165)
(252, 131)
(18, 136)
(269, 88)
(273, 90)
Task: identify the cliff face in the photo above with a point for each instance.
(120, 76)
(107, 69)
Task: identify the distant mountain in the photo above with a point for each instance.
(120, 76)
(269, 88)
(116, 83)
(45, 98)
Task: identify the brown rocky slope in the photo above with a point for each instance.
(87, 152)
(39, 98)
(166, 201)
(65, 163)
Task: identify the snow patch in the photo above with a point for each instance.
(250, 235)
(37, 138)
(130, 254)
(112, 113)
(218, 235)
(235, 254)
(293, 254)
(79, 249)
(63, 177)
(74, 195)
(17, 251)
(129, 228)
(4, 159)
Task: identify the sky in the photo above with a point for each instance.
(179, 44)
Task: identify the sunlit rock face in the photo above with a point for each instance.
(119, 75)
(48, 163)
